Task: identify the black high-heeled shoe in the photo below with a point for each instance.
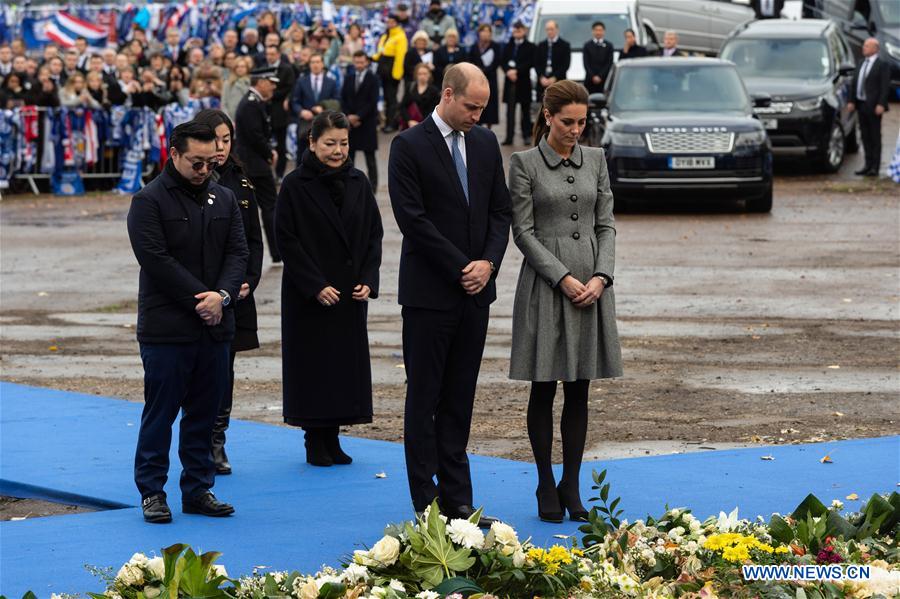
(572, 504)
(316, 453)
(549, 509)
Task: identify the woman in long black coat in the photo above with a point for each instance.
(229, 174)
(487, 55)
(328, 230)
(449, 53)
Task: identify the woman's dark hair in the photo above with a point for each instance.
(329, 119)
(556, 97)
(213, 118)
(190, 130)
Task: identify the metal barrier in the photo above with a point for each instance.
(107, 165)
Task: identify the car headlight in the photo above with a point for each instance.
(808, 104)
(750, 139)
(892, 49)
(626, 139)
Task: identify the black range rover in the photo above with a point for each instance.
(685, 126)
(806, 67)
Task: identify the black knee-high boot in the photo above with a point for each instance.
(540, 433)
(574, 435)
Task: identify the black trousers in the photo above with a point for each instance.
(371, 167)
(442, 352)
(389, 86)
(870, 131)
(187, 377)
(281, 147)
(264, 187)
(525, 120)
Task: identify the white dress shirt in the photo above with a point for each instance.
(447, 132)
(863, 75)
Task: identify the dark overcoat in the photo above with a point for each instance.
(521, 59)
(232, 177)
(325, 349)
(362, 102)
(494, 56)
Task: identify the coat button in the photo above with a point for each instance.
(574, 216)
(565, 163)
(576, 236)
(573, 197)
(570, 179)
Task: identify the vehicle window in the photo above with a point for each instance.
(689, 88)
(576, 28)
(779, 58)
(890, 12)
(836, 49)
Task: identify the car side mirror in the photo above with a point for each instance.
(597, 99)
(762, 100)
(846, 68)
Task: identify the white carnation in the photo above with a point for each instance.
(138, 559)
(428, 595)
(386, 551)
(503, 534)
(396, 585)
(355, 573)
(466, 534)
(156, 567)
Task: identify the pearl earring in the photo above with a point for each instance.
(548, 123)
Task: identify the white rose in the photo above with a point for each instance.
(386, 551)
(138, 559)
(428, 595)
(504, 534)
(692, 546)
(396, 585)
(675, 513)
(310, 590)
(464, 533)
(363, 558)
(321, 581)
(157, 567)
(152, 592)
(130, 575)
(695, 525)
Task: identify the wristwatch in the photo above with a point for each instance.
(493, 268)
(226, 298)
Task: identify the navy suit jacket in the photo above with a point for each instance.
(304, 98)
(442, 233)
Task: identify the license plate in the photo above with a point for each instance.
(770, 124)
(692, 162)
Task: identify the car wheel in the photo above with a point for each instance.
(762, 203)
(833, 156)
(852, 145)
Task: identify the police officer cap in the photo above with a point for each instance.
(265, 72)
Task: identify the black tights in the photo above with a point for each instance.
(573, 428)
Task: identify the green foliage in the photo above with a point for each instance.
(430, 555)
(601, 519)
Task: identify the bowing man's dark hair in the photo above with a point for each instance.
(556, 97)
(190, 130)
(325, 120)
(213, 118)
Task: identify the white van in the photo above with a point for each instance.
(575, 18)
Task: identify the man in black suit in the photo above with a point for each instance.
(312, 94)
(518, 60)
(359, 100)
(451, 202)
(869, 95)
(767, 9)
(279, 108)
(552, 60)
(598, 59)
(188, 237)
(253, 132)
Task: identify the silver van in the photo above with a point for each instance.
(702, 25)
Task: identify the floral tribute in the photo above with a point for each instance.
(673, 556)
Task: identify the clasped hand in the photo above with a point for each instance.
(476, 276)
(581, 294)
(210, 307)
(330, 296)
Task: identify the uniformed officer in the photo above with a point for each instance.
(518, 60)
(188, 237)
(598, 59)
(230, 175)
(253, 137)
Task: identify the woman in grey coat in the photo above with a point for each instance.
(564, 320)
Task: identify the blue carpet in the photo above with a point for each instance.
(79, 448)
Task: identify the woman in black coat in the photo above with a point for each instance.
(486, 55)
(449, 53)
(420, 99)
(328, 230)
(230, 175)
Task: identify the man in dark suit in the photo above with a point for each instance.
(187, 235)
(598, 59)
(310, 93)
(278, 108)
(359, 100)
(451, 202)
(767, 9)
(552, 59)
(172, 48)
(869, 95)
(518, 60)
(253, 132)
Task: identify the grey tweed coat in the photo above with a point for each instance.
(563, 224)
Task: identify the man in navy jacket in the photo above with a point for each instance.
(187, 235)
(450, 199)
